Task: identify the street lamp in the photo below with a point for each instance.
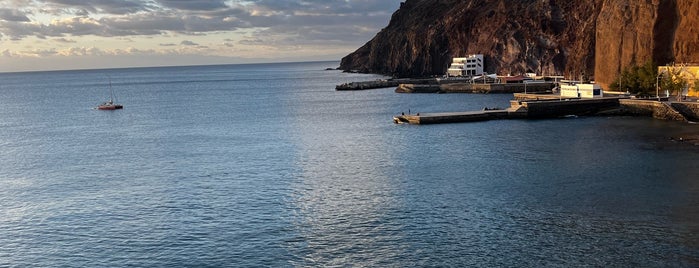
(657, 88)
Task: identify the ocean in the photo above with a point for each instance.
(267, 165)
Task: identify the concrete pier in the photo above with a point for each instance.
(457, 117)
(363, 85)
(533, 106)
(518, 110)
(557, 108)
(449, 86)
(666, 110)
(367, 85)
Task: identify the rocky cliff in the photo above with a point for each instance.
(572, 38)
(633, 31)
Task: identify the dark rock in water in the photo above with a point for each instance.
(562, 37)
(331, 69)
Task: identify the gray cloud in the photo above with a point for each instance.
(194, 4)
(7, 14)
(119, 7)
(40, 52)
(64, 40)
(330, 7)
(299, 21)
(188, 43)
(252, 41)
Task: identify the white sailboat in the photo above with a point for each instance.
(110, 104)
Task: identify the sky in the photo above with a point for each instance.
(91, 34)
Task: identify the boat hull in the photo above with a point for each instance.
(110, 107)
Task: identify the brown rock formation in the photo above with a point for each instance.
(571, 38)
(633, 31)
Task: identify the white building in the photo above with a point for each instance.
(467, 66)
(586, 91)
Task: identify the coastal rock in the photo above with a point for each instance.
(553, 37)
(632, 32)
(550, 36)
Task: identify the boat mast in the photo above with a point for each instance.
(111, 91)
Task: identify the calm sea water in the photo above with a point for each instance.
(267, 165)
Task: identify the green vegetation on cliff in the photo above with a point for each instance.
(638, 80)
(645, 80)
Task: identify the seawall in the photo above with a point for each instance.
(367, 85)
(690, 110)
(532, 107)
(456, 87)
(659, 110)
(558, 108)
(363, 85)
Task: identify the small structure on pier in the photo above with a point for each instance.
(515, 79)
(574, 89)
(485, 79)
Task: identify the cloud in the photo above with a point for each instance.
(189, 27)
(188, 43)
(118, 7)
(7, 14)
(155, 17)
(194, 4)
(251, 42)
(38, 53)
(81, 51)
(8, 53)
(64, 40)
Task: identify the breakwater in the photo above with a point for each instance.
(462, 87)
(690, 110)
(384, 83)
(533, 106)
(450, 85)
(367, 85)
(558, 108)
(455, 117)
(676, 111)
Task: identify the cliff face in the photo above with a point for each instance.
(633, 31)
(572, 38)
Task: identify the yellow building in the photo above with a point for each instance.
(688, 72)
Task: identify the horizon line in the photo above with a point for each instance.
(164, 66)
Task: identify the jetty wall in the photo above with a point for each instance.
(538, 108)
(533, 97)
(417, 88)
(656, 109)
(384, 83)
(367, 85)
(690, 110)
(557, 108)
(456, 87)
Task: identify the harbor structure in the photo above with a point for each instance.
(470, 65)
(573, 89)
(536, 106)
